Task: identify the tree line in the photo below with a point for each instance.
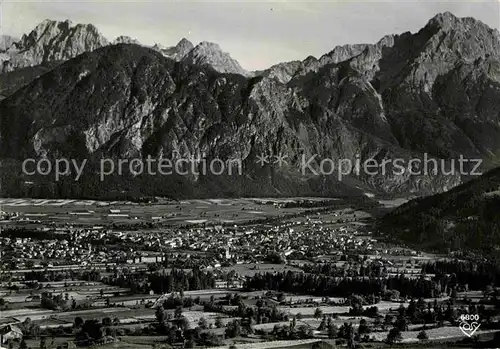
(324, 285)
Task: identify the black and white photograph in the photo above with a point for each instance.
(249, 174)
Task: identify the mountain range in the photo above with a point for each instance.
(54, 41)
(69, 92)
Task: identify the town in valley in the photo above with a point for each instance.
(263, 273)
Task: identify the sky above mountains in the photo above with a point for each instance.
(256, 33)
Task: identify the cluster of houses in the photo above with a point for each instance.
(302, 239)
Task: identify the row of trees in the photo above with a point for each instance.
(163, 282)
(476, 275)
(323, 285)
(331, 269)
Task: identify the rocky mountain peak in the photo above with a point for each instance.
(447, 22)
(387, 40)
(447, 39)
(445, 19)
(54, 33)
(185, 43)
(183, 47)
(310, 59)
(209, 53)
(52, 41)
(57, 41)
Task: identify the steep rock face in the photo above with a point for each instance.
(207, 53)
(282, 72)
(126, 101)
(438, 89)
(413, 79)
(140, 93)
(52, 41)
(364, 56)
(445, 41)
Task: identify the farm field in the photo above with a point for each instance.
(124, 343)
(304, 310)
(74, 291)
(434, 334)
(274, 344)
(88, 212)
(136, 318)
